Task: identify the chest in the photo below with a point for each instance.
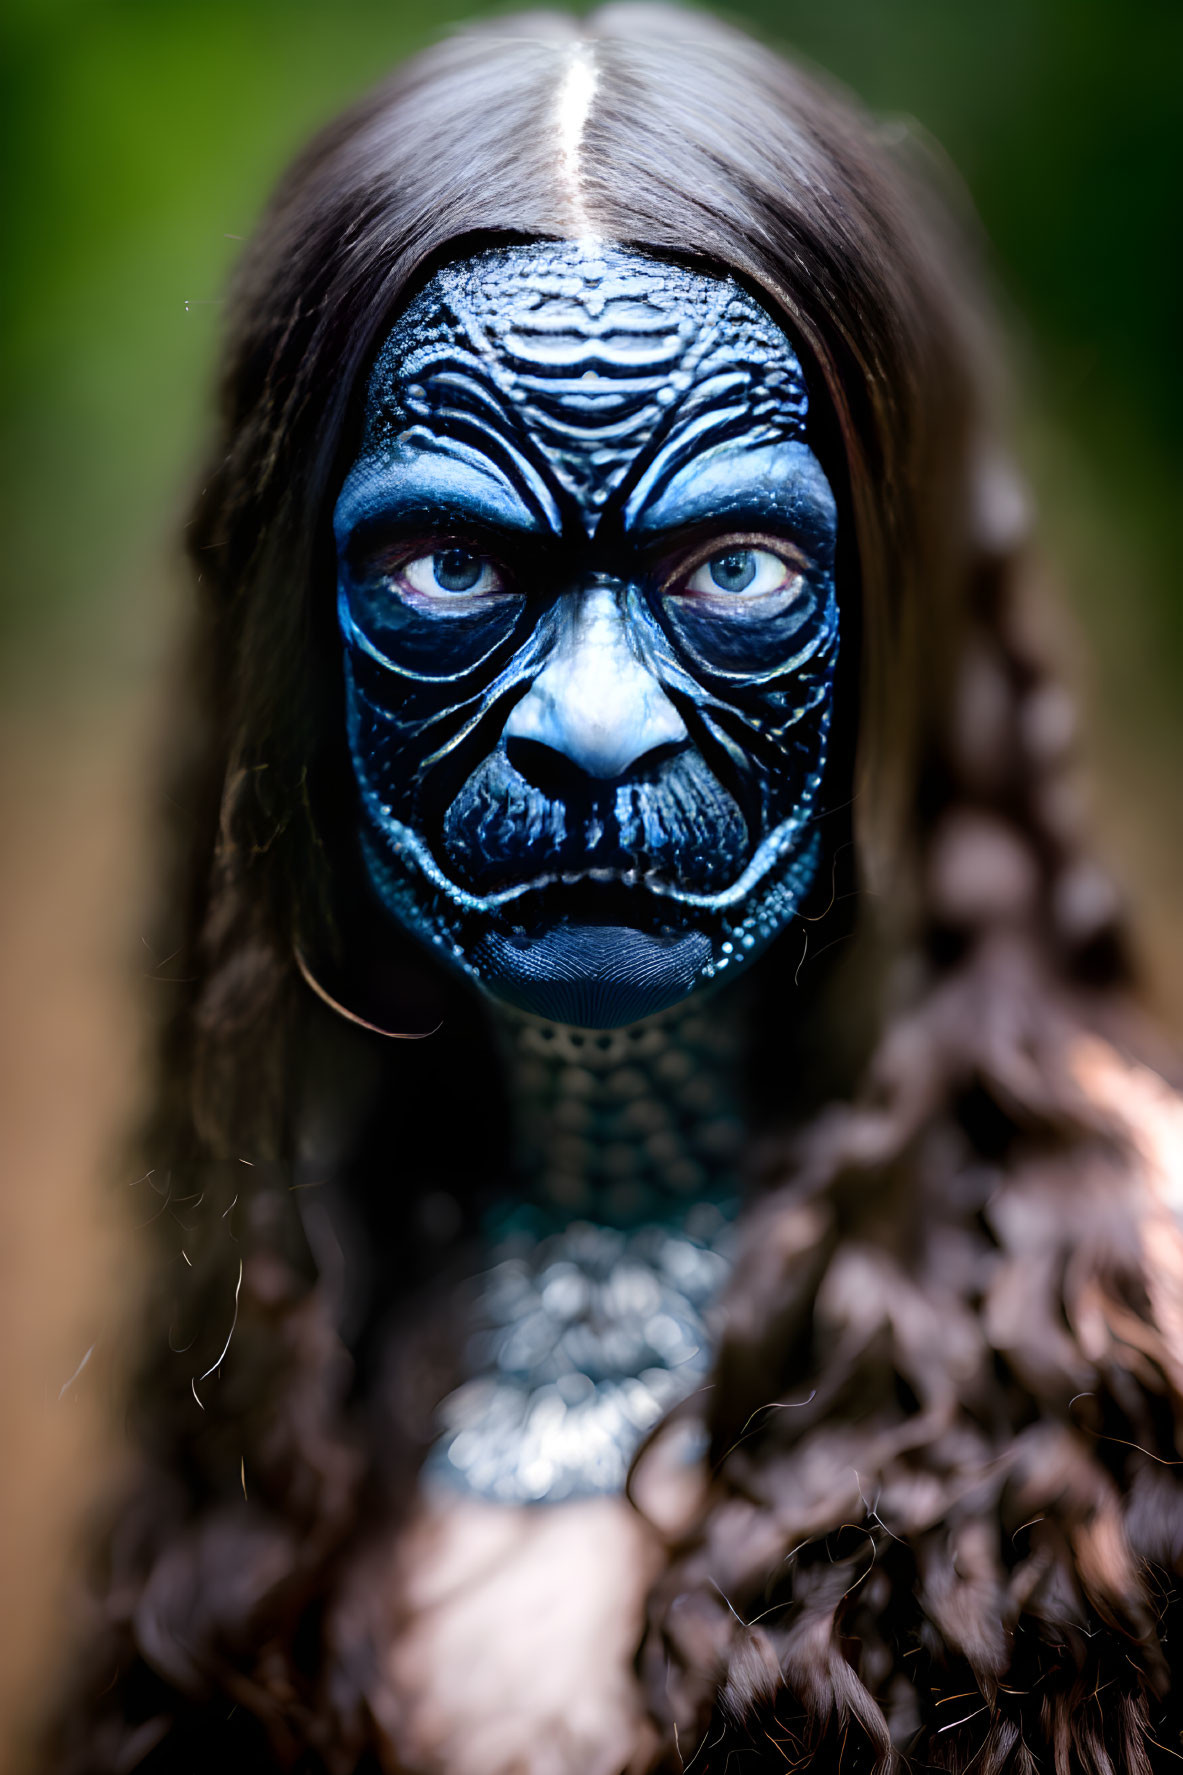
(517, 1630)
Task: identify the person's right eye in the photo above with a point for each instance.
(449, 573)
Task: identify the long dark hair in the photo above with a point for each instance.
(943, 1516)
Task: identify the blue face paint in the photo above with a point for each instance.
(586, 591)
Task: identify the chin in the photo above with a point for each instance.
(593, 976)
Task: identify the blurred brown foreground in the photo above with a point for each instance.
(72, 876)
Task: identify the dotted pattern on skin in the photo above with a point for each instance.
(584, 1332)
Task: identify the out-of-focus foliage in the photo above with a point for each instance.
(143, 135)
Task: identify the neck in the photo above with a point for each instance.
(625, 1125)
(596, 1312)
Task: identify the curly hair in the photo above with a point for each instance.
(942, 1516)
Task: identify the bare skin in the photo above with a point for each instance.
(519, 1627)
(542, 1604)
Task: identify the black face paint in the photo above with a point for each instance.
(587, 597)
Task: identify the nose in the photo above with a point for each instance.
(596, 702)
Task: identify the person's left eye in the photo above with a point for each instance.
(742, 573)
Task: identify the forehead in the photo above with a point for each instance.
(582, 359)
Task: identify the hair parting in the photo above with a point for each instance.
(576, 94)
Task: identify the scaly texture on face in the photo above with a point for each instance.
(587, 599)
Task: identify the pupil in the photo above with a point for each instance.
(456, 570)
(731, 573)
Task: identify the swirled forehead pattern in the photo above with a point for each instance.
(591, 359)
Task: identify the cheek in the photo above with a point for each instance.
(409, 636)
(774, 636)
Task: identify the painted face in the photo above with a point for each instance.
(586, 592)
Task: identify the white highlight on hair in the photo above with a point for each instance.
(573, 104)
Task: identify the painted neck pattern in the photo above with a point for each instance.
(597, 1309)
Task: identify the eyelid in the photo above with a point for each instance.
(523, 558)
(406, 534)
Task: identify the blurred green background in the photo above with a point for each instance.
(144, 134)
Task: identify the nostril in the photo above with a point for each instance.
(543, 768)
(558, 776)
(649, 766)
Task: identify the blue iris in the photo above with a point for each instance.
(734, 572)
(456, 570)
